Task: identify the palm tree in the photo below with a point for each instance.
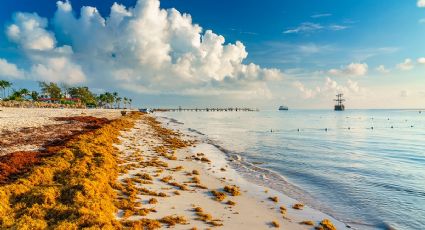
(109, 99)
(118, 100)
(101, 100)
(4, 85)
(125, 102)
(24, 92)
(115, 96)
(129, 102)
(19, 95)
(34, 95)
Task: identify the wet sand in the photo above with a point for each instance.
(254, 208)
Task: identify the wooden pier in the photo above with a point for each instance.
(180, 109)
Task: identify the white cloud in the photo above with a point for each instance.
(306, 92)
(422, 21)
(10, 70)
(328, 89)
(353, 69)
(353, 86)
(337, 27)
(421, 60)
(48, 62)
(321, 15)
(28, 30)
(382, 69)
(148, 49)
(310, 27)
(406, 65)
(58, 69)
(306, 27)
(421, 3)
(144, 49)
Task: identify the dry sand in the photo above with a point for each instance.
(253, 209)
(13, 119)
(27, 129)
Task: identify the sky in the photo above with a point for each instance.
(167, 53)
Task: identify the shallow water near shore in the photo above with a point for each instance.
(363, 167)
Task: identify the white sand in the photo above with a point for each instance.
(12, 119)
(253, 210)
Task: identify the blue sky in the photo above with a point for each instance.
(365, 49)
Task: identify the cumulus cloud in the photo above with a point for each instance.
(306, 92)
(407, 64)
(48, 62)
(421, 3)
(10, 70)
(353, 69)
(421, 60)
(328, 88)
(382, 69)
(144, 49)
(28, 31)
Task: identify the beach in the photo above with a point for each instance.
(166, 178)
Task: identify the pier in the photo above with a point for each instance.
(230, 109)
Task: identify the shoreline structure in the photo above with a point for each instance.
(132, 172)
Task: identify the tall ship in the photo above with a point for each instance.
(282, 107)
(339, 102)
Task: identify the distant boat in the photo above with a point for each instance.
(282, 107)
(339, 105)
(144, 110)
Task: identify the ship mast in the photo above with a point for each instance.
(339, 105)
(339, 99)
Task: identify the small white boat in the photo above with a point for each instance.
(144, 110)
(282, 107)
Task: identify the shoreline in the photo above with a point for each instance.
(155, 178)
(220, 159)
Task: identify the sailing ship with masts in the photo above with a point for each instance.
(339, 102)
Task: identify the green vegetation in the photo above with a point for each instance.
(51, 89)
(66, 95)
(84, 94)
(4, 85)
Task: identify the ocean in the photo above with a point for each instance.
(365, 168)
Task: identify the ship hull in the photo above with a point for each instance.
(339, 108)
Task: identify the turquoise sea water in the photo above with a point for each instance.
(364, 167)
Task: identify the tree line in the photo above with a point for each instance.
(62, 93)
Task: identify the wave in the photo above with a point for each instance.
(273, 180)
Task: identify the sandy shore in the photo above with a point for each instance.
(253, 208)
(186, 184)
(12, 119)
(25, 129)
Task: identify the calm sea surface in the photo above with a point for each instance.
(364, 167)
